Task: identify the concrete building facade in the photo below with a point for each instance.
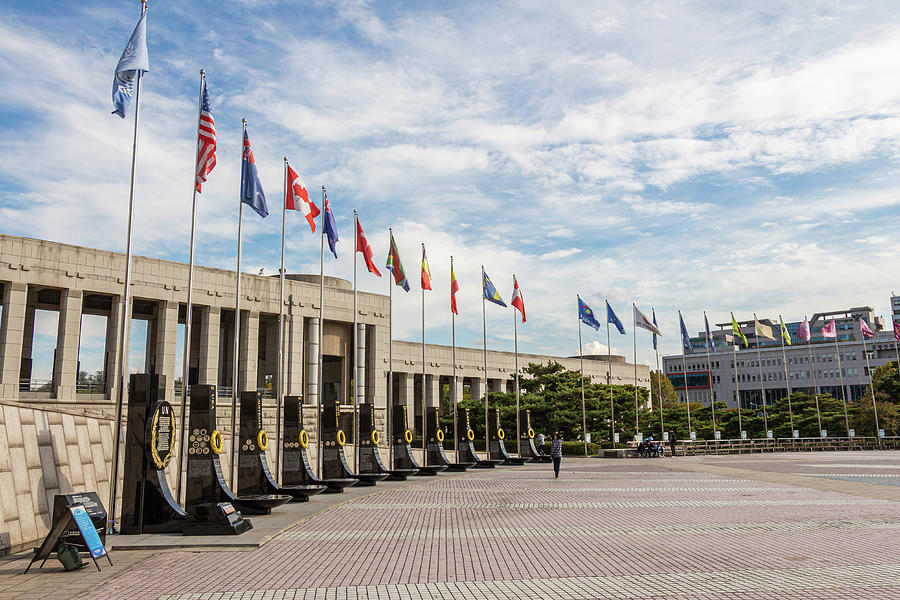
(73, 281)
(771, 372)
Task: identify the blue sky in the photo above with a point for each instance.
(692, 155)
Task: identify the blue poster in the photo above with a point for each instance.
(87, 531)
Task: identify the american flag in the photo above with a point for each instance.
(206, 138)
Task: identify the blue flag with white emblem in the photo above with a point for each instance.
(251, 187)
(685, 338)
(134, 58)
(587, 315)
(612, 318)
(655, 347)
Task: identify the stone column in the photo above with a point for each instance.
(312, 361)
(15, 298)
(360, 356)
(376, 363)
(208, 350)
(167, 344)
(293, 356)
(456, 391)
(501, 385)
(68, 336)
(476, 388)
(249, 348)
(433, 390)
(408, 395)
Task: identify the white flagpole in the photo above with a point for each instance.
(185, 366)
(687, 395)
(737, 385)
(125, 308)
(581, 373)
(762, 386)
(871, 387)
(390, 400)
(837, 352)
(424, 376)
(637, 425)
(279, 383)
(787, 380)
(712, 403)
(487, 433)
(612, 407)
(321, 384)
(356, 345)
(662, 427)
(516, 350)
(455, 382)
(237, 332)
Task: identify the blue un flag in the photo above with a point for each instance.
(134, 59)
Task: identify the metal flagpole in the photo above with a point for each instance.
(321, 385)
(487, 433)
(390, 401)
(662, 427)
(737, 385)
(871, 387)
(516, 350)
(612, 406)
(816, 381)
(787, 380)
(424, 369)
(712, 403)
(455, 382)
(185, 366)
(125, 307)
(581, 373)
(279, 383)
(634, 338)
(762, 387)
(237, 333)
(843, 389)
(355, 391)
(687, 396)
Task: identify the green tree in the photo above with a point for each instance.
(886, 381)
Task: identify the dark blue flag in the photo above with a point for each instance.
(330, 227)
(654, 335)
(612, 318)
(587, 315)
(685, 338)
(251, 188)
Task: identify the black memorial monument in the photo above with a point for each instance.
(254, 476)
(147, 502)
(206, 485)
(465, 440)
(497, 443)
(370, 462)
(526, 441)
(403, 437)
(437, 459)
(334, 461)
(295, 467)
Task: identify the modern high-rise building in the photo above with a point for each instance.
(766, 370)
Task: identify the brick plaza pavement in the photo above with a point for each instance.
(776, 526)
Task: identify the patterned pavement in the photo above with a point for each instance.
(625, 529)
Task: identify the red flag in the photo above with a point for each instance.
(426, 274)
(454, 287)
(297, 198)
(363, 247)
(517, 300)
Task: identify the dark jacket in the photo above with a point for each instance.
(556, 448)
(672, 437)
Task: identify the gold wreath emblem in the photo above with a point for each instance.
(501, 434)
(161, 463)
(216, 442)
(440, 436)
(470, 435)
(341, 438)
(408, 436)
(375, 437)
(531, 433)
(304, 438)
(262, 440)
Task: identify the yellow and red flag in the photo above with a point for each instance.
(454, 287)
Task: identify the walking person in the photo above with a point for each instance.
(672, 440)
(540, 444)
(556, 453)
